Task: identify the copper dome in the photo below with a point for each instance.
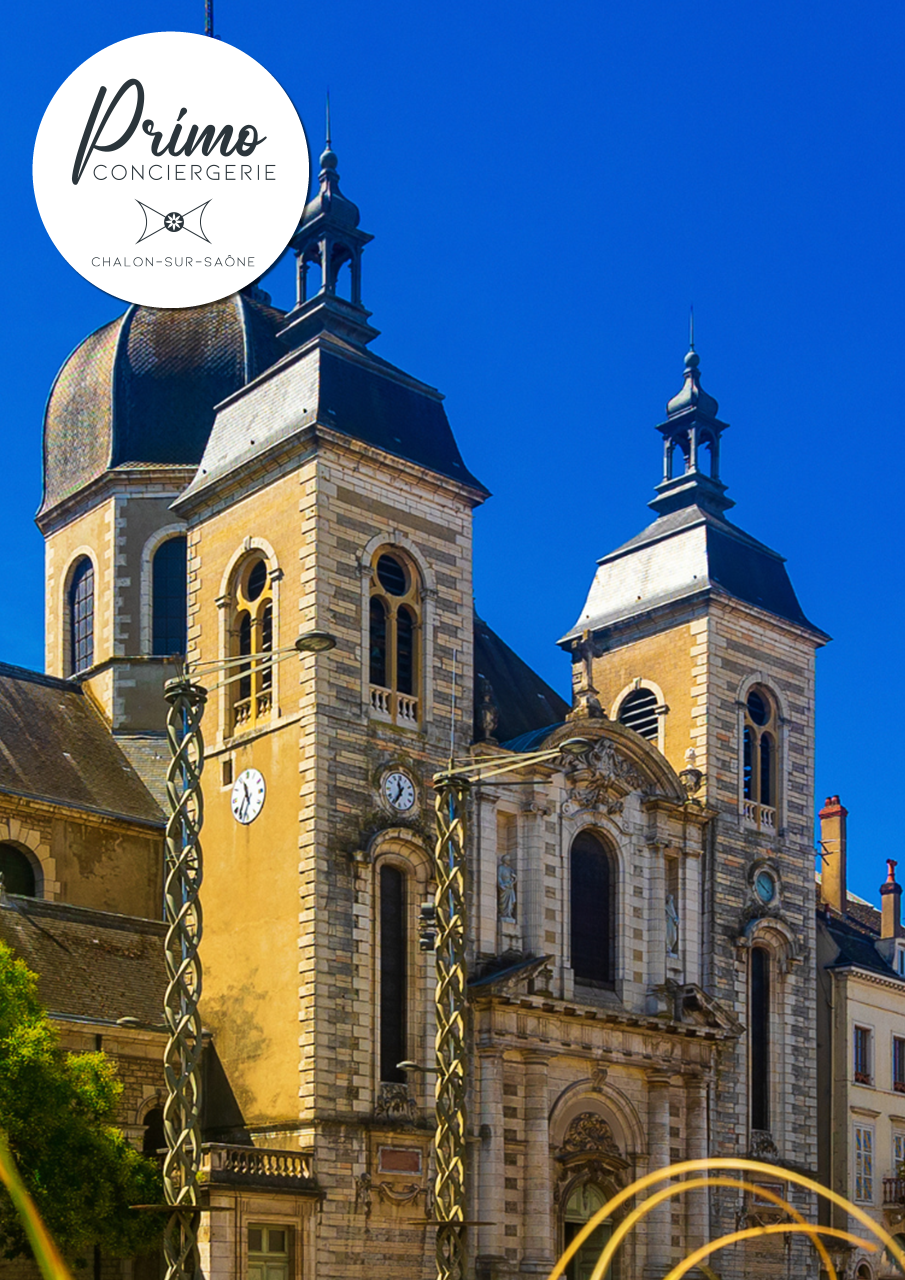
(142, 389)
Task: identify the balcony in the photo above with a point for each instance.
(894, 1190)
(759, 816)
(394, 708)
(224, 1165)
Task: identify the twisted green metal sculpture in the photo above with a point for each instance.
(450, 806)
(182, 1110)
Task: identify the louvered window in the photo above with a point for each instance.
(593, 911)
(639, 712)
(252, 637)
(393, 975)
(760, 761)
(81, 617)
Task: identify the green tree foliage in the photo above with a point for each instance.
(57, 1110)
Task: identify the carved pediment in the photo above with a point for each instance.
(600, 778)
(693, 1005)
(589, 1135)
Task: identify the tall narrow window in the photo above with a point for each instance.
(593, 910)
(759, 1038)
(861, 1047)
(81, 617)
(168, 598)
(760, 772)
(864, 1163)
(393, 976)
(898, 1064)
(395, 658)
(252, 639)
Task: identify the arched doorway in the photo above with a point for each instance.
(581, 1205)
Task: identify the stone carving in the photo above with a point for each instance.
(599, 1074)
(586, 703)
(399, 1195)
(506, 878)
(363, 1193)
(589, 1133)
(672, 925)
(763, 1147)
(394, 1102)
(600, 778)
(488, 711)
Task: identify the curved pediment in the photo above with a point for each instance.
(618, 762)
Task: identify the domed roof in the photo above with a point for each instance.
(142, 389)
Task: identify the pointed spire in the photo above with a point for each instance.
(329, 143)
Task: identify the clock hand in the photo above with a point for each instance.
(398, 790)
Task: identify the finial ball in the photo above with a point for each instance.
(692, 360)
(328, 159)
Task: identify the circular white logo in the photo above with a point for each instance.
(171, 169)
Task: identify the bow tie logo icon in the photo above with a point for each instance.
(155, 221)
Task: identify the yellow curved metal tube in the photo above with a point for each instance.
(724, 1163)
(752, 1233)
(680, 1188)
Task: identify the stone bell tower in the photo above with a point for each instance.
(331, 496)
(693, 636)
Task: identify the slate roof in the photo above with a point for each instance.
(344, 388)
(857, 948)
(55, 745)
(142, 389)
(687, 553)
(90, 964)
(525, 702)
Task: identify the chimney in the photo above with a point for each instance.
(833, 848)
(891, 904)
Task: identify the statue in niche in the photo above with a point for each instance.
(672, 925)
(506, 878)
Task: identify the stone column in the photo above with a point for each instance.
(697, 1203)
(491, 1173)
(538, 1255)
(659, 1221)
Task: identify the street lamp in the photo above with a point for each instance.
(184, 869)
(452, 786)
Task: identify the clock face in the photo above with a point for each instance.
(248, 796)
(399, 791)
(765, 886)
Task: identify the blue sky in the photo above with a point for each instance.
(550, 186)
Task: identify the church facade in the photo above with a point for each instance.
(641, 919)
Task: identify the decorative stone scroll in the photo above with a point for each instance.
(600, 779)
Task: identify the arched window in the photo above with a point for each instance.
(168, 598)
(393, 973)
(252, 637)
(639, 712)
(17, 871)
(759, 1038)
(593, 911)
(760, 764)
(81, 617)
(395, 620)
(153, 1139)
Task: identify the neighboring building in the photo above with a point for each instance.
(861, 1048)
(641, 945)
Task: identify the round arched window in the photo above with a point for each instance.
(639, 712)
(17, 871)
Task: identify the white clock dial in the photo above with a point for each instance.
(399, 791)
(248, 794)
